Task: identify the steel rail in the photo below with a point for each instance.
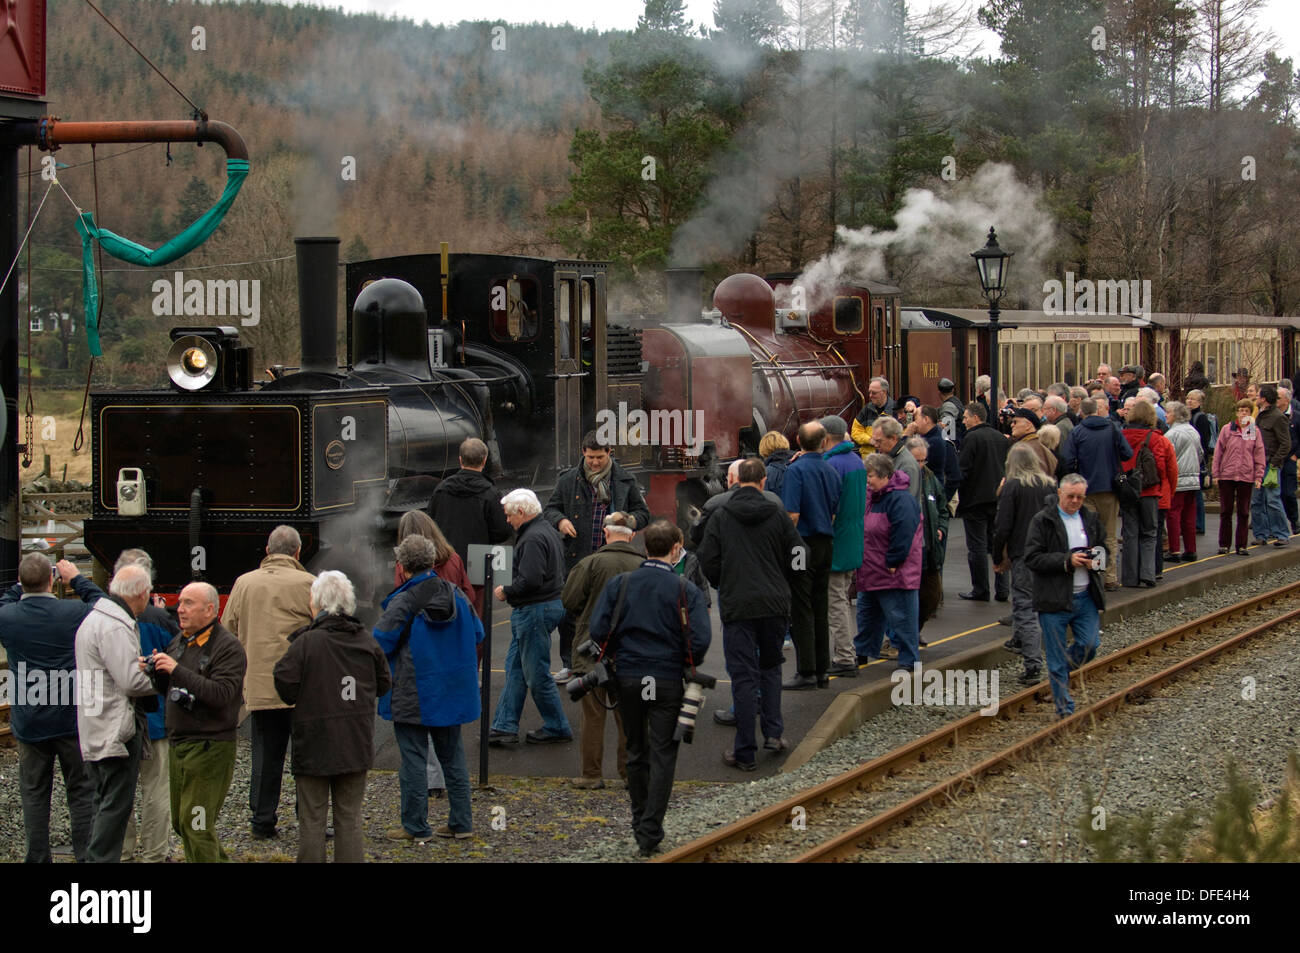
(849, 842)
(952, 734)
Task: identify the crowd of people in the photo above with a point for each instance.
(834, 547)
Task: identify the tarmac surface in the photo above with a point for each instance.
(959, 627)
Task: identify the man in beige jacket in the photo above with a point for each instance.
(264, 608)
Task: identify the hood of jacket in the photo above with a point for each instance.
(331, 622)
(749, 505)
(466, 484)
(780, 457)
(1095, 423)
(435, 596)
(899, 481)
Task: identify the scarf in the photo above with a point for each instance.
(1247, 432)
(599, 480)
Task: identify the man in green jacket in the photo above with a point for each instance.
(581, 590)
(846, 547)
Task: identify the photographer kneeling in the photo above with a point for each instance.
(202, 675)
(654, 626)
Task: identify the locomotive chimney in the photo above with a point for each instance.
(683, 294)
(318, 302)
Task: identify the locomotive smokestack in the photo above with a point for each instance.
(318, 302)
(683, 294)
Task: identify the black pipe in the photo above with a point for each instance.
(318, 302)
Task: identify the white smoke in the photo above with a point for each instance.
(930, 248)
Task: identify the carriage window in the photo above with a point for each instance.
(1067, 367)
(564, 319)
(877, 333)
(587, 306)
(848, 315)
(513, 303)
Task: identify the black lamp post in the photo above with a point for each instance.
(993, 264)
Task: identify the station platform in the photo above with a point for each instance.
(964, 634)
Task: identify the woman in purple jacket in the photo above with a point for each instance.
(1238, 469)
(890, 577)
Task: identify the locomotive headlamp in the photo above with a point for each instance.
(194, 361)
(191, 362)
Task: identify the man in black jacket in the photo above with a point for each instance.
(39, 633)
(1063, 549)
(467, 505)
(536, 609)
(748, 554)
(655, 625)
(202, 673)
(582, 498)
(983, 462)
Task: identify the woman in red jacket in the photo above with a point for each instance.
(448, 563)
(1140, 532)
(1238, 468)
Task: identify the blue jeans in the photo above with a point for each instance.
(1267, 518)
(1288, 489)
(413, 743)
(900, 610)
(1086, 623)
(528, 668)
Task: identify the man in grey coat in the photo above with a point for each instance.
(111, 731)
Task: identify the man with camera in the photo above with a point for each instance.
(202, 674)
(1065, 549)
(653, 625)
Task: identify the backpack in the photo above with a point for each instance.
(1214, 429)
(1146, 465)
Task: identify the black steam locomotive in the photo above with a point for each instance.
(201, 473)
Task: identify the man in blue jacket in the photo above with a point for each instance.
(430, 634)
(811, 494)
(39, 634)
(157, 631)
(1094, 450)
(655, 626)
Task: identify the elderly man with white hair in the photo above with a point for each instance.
(332, 673)
(536, 610)
(202, 672)
(110, 729)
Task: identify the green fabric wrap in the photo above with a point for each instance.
(124, 249)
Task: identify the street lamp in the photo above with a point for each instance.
(993, 264)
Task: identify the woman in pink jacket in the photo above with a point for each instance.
(1238, 469)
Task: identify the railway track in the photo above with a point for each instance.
(839, 817)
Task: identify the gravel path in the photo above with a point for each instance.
(543, 818)
(1271, 719)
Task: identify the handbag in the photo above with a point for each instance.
(1270, 479)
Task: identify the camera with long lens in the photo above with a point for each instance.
(696, 683)
(183, 697)
(600, 674)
